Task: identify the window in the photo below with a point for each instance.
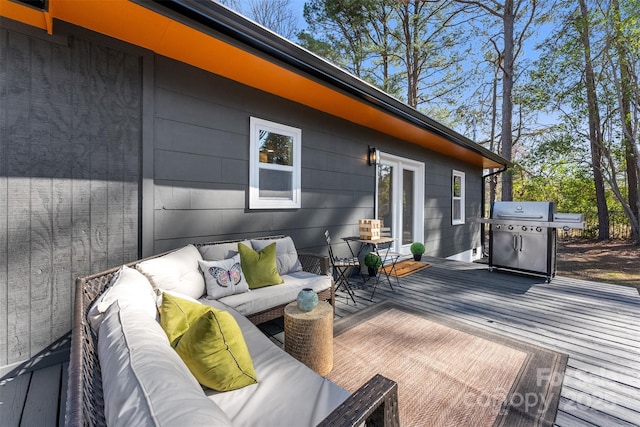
(457, 198)
(274, 176)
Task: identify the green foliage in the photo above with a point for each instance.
(417, 248)
(372, 260)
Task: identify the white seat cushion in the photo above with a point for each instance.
(260, 299)
(288, 393)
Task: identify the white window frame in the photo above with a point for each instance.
(255, 201)
(461, 198)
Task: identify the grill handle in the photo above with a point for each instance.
(515, 242)
(519, 217)
(521, 243)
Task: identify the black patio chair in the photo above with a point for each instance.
(389, 259)
(342, 269)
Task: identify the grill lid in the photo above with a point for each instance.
(523, 211)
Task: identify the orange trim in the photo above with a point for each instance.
(127, 21)
(22, 13)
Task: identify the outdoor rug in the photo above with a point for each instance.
(407, 267)
(448, 373)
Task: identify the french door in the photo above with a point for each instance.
(400, 199)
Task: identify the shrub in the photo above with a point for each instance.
(417, 248)
(372, 260)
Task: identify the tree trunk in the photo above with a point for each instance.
(626, 76)
(595, 136)
(506, 137)
(493, 180)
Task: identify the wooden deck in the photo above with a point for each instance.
(597, 325)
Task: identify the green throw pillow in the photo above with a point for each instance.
(259, 268)
(215, 352)
(178, 314)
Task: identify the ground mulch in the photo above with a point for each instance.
(611, 261)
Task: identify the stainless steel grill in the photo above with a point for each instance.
(522, 236)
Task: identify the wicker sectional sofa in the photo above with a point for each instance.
(287, 392)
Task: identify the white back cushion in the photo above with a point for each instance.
(220, 251)
(286, 254)
(130, 288)
(177, 271)
(145, 383)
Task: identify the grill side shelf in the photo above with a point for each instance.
(547, 224)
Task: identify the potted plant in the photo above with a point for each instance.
(373, 262)
(417, 249)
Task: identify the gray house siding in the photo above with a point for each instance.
(201, 169)
(69, 178)
(108, 152)
(201, 166)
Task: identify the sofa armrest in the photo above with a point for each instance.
(374, 404)
(314, 263)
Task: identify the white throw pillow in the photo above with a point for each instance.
(224, 278)
(130, 288)
(145, 383)
(177, 271)
(286, 254)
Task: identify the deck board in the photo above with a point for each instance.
(596, 324)
(41, 409)
(13, 394)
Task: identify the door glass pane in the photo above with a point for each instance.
(408, 204)
(385, 195)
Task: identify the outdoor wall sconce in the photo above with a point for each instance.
(372, 156)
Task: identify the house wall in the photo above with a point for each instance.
(109, 153)
(201, 169)
(69, 177)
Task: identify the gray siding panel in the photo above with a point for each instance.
(69, 178)
(201, 168)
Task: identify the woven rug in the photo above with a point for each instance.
(448, 373)
(407, 267)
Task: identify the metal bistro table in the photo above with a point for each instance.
(374, 243)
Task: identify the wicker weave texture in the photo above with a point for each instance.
(308, 336)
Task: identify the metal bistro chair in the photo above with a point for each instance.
(389, 260)
(342, 268)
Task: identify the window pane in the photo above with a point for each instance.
(275, 148)
(276, 184)
(457, 180)
(456, 210)
(407, 206)
(385, 196)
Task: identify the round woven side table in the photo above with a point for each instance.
(308, 336)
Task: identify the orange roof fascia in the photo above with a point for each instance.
(130, 22)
